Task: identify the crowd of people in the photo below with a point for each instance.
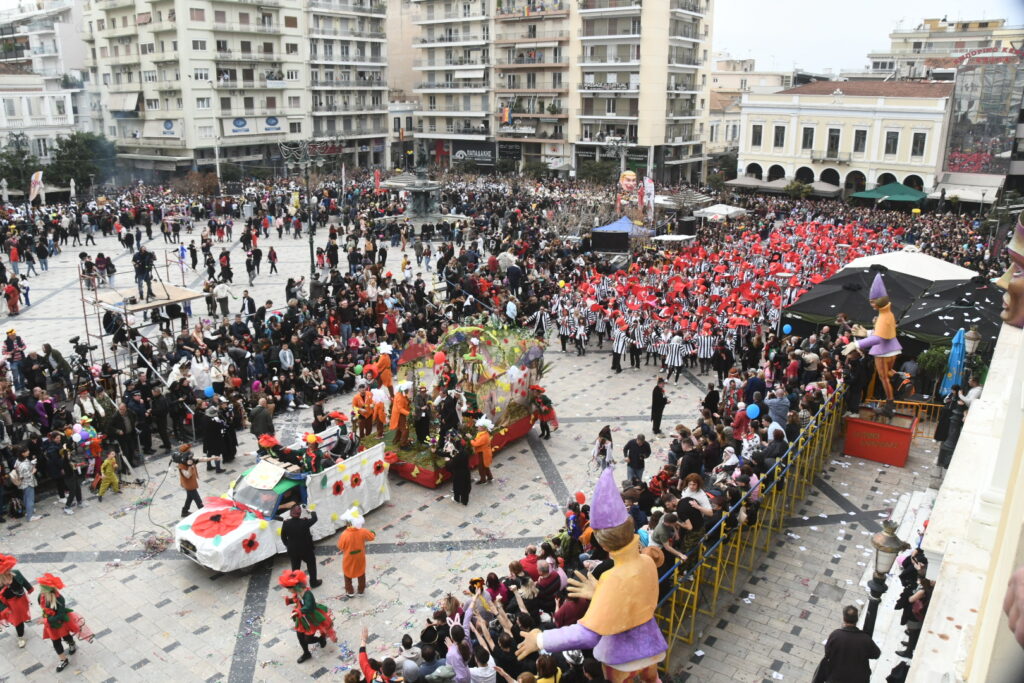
(711, 309)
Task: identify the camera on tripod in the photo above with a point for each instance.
(81, 348)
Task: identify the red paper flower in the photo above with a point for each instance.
(250, 543)
(356, 480)
(217, 522)
(338, 488)
(378, 467)
(268, 441)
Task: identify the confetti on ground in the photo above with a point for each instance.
(131, 507)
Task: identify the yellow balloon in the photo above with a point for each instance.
(561, 283)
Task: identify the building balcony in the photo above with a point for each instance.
(166, 85)
(161, 26)
(592, 88)
(351, 33)
(540, 89)
(609, 7)
(360, 132)
(603, 139)
(454, 39)
(830, 155)
(122, 59)
(533, 37)
(595, 116)
(688, 35)
(609, 60)
(124, 87)
(685, 63)
(683, 114)
(324, 109)
(453, 132)
(374, 8)
(526, 11)
(452, 86)
(270, 84)
(230, 56)
(347, 59)
(688, 6)
(114, 4)
(590, 34)
(168, 56)
(178, 143)
(258, 27)
(232, 140)
(362, 84)
(442, 111)
(231, 112)
(23, 122)
(115, 32)
(530, 63)
(447, 17)
(559, 114)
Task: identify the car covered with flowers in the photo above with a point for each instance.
(243, 526)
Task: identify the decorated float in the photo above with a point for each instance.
(243, 526)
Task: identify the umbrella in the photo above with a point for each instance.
(955, 368)
(847, 292)
(949, 305)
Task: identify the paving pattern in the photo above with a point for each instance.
(159, 616)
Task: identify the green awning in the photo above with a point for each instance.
(893, 192)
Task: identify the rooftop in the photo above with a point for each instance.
(874, 88)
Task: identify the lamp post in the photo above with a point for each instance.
(302, 156)
(618, 147)
(972, 340)
(887, 547)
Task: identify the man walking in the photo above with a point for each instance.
(658, 403)
(352, 544)
(298, 539)
(188, 477)
(848, 652)
(636, 451)
(261, 419)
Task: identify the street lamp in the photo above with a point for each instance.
(887, 547)
(971, 340)
(301, 156)
(618, 146)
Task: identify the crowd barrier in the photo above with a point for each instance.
(726, 549)
(927, 415)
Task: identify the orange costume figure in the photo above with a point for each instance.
(400, 410)
(380, 418)
(384, 368)
(482, 447)
(352, 544)
(362, 404)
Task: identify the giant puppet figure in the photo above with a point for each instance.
(619, 624)
(881, 344)
(1013, 279)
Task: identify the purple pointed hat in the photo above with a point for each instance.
(606, 507)
(877, 287)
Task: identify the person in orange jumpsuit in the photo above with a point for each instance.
(482, 447)
(362, 404)
(384, 368)
(400, 410)
(380, 417)
(352, 544)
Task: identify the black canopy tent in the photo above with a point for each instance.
(847, 292)
(949, 305)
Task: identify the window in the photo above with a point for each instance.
(294, 102)
(199, 45)
(289, 48)
(220, 16)
(892, 142)
(808, 139)
(202, 103)
(917, 146)
(206, 132)
(609, 106)
(408, 123)
(833, 142)
(860, 141)
(149, 76)
(146, 48)
(197, 14)
(291, 22)
(9, 107)
(201, 74)
(42, 147)
(61, 110)
(755, 135)
(780, 136)
(221, 46)
(397, 125)
(295, 126)
(292, 75)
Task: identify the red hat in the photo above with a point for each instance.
(48, 580)
(289, 578)
(335, 415)
(7, 563)
(268, 441)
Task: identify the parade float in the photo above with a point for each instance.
(243, 526)
(493, 368)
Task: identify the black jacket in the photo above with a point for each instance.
(636, 453)
(296, 535)
(658, 400)
(848, 652)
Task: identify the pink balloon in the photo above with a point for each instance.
(439, 358)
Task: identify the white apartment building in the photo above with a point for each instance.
(848, 136)
(46, 39)
(929, 49)
(180, 84)
(34, 113)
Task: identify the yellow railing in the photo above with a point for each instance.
(927, 415)
(730, 546)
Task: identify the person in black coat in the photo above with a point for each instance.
(458, 464)
(658, 403)
(298, 539)
(848, 652)
(213, 429)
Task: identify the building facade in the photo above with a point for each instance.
(33, 114)
(221, 84)
(852, 135)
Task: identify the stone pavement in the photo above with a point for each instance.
(157, 615)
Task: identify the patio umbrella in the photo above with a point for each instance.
(847, 292)
(953, 304)
(955, 368)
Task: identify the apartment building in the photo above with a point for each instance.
(33, 113)
(46, 40)
(183, 85)
(930, 49)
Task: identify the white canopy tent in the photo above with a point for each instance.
(674, 238)
(720, 211)
(912, 262)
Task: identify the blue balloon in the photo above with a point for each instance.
(208, 392)
(753, 411)
(787, 328)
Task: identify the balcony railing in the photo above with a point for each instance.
(602, 139)
(361, 83)
(453, 109)
(682, 113)
(534, 35)
(531, 10)
(247, 28)
(609, 86)
(341, 6)
(229, 56)
(454, 38)
(452, 85)
(447, 16)
(347, 59)
(830, 155)
(347, 33)
(242, 85)
(685, 60)
(456, 62)
(455, 130)
(527, 61)
(592, 32)
(688, 6)
(347, 108)
(609, 59)
(609, 4)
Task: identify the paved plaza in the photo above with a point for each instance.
(158, 616)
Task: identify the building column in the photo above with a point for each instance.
(47, 108)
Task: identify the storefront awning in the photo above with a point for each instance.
(124, 101)
(475, 74)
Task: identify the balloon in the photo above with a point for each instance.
(561, 283)
(77, 428)
(753, 411)
(236, 382)
(581, 497)
(787, 328)
(76, 437)
(208, 392)
(439, 358)
(358, 369)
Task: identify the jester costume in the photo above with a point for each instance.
(543, 410)
(313, 621)
(14, 605)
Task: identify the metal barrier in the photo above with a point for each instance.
(927, 415)
(730, 546)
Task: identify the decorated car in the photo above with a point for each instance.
(243, 526)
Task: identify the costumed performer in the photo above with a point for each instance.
(482, 447)
(313, 621)
(401, 407)
(543, 410)
(352, 544)
(14, 590)
(384, 368)
(362, 406)
(881, 344)
(619, 624)
(59, 622)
